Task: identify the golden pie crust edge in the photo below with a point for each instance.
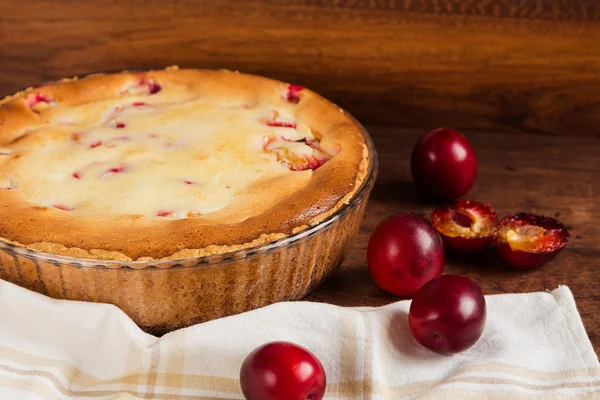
(126, 238)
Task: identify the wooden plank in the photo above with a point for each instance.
(521, 65)
(554, 176)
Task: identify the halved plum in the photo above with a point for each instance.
(38, 102)
(466, 226)
(298, 155)
(274, 118)
(143, 86)
(293, 93)
(527, 240)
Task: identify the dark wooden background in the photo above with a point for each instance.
(522, 77)
(506, 65)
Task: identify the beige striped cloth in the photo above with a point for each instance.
(534, 347)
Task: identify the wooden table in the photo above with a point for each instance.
(554, 176)
(515, 67)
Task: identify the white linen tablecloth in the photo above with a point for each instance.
(534, 347)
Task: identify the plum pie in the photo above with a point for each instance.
(199, 177)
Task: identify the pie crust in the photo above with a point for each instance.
(171, 164)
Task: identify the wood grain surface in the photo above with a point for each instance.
(554, 176)
(530, 67)
(501, 65)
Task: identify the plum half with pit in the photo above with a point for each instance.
(466, 226)
(527, 240)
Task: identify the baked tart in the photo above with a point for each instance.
(179, 195)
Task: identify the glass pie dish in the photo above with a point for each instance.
(164, 295)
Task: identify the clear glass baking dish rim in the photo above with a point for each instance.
(222, 258)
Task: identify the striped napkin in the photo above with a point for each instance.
(534, 347)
